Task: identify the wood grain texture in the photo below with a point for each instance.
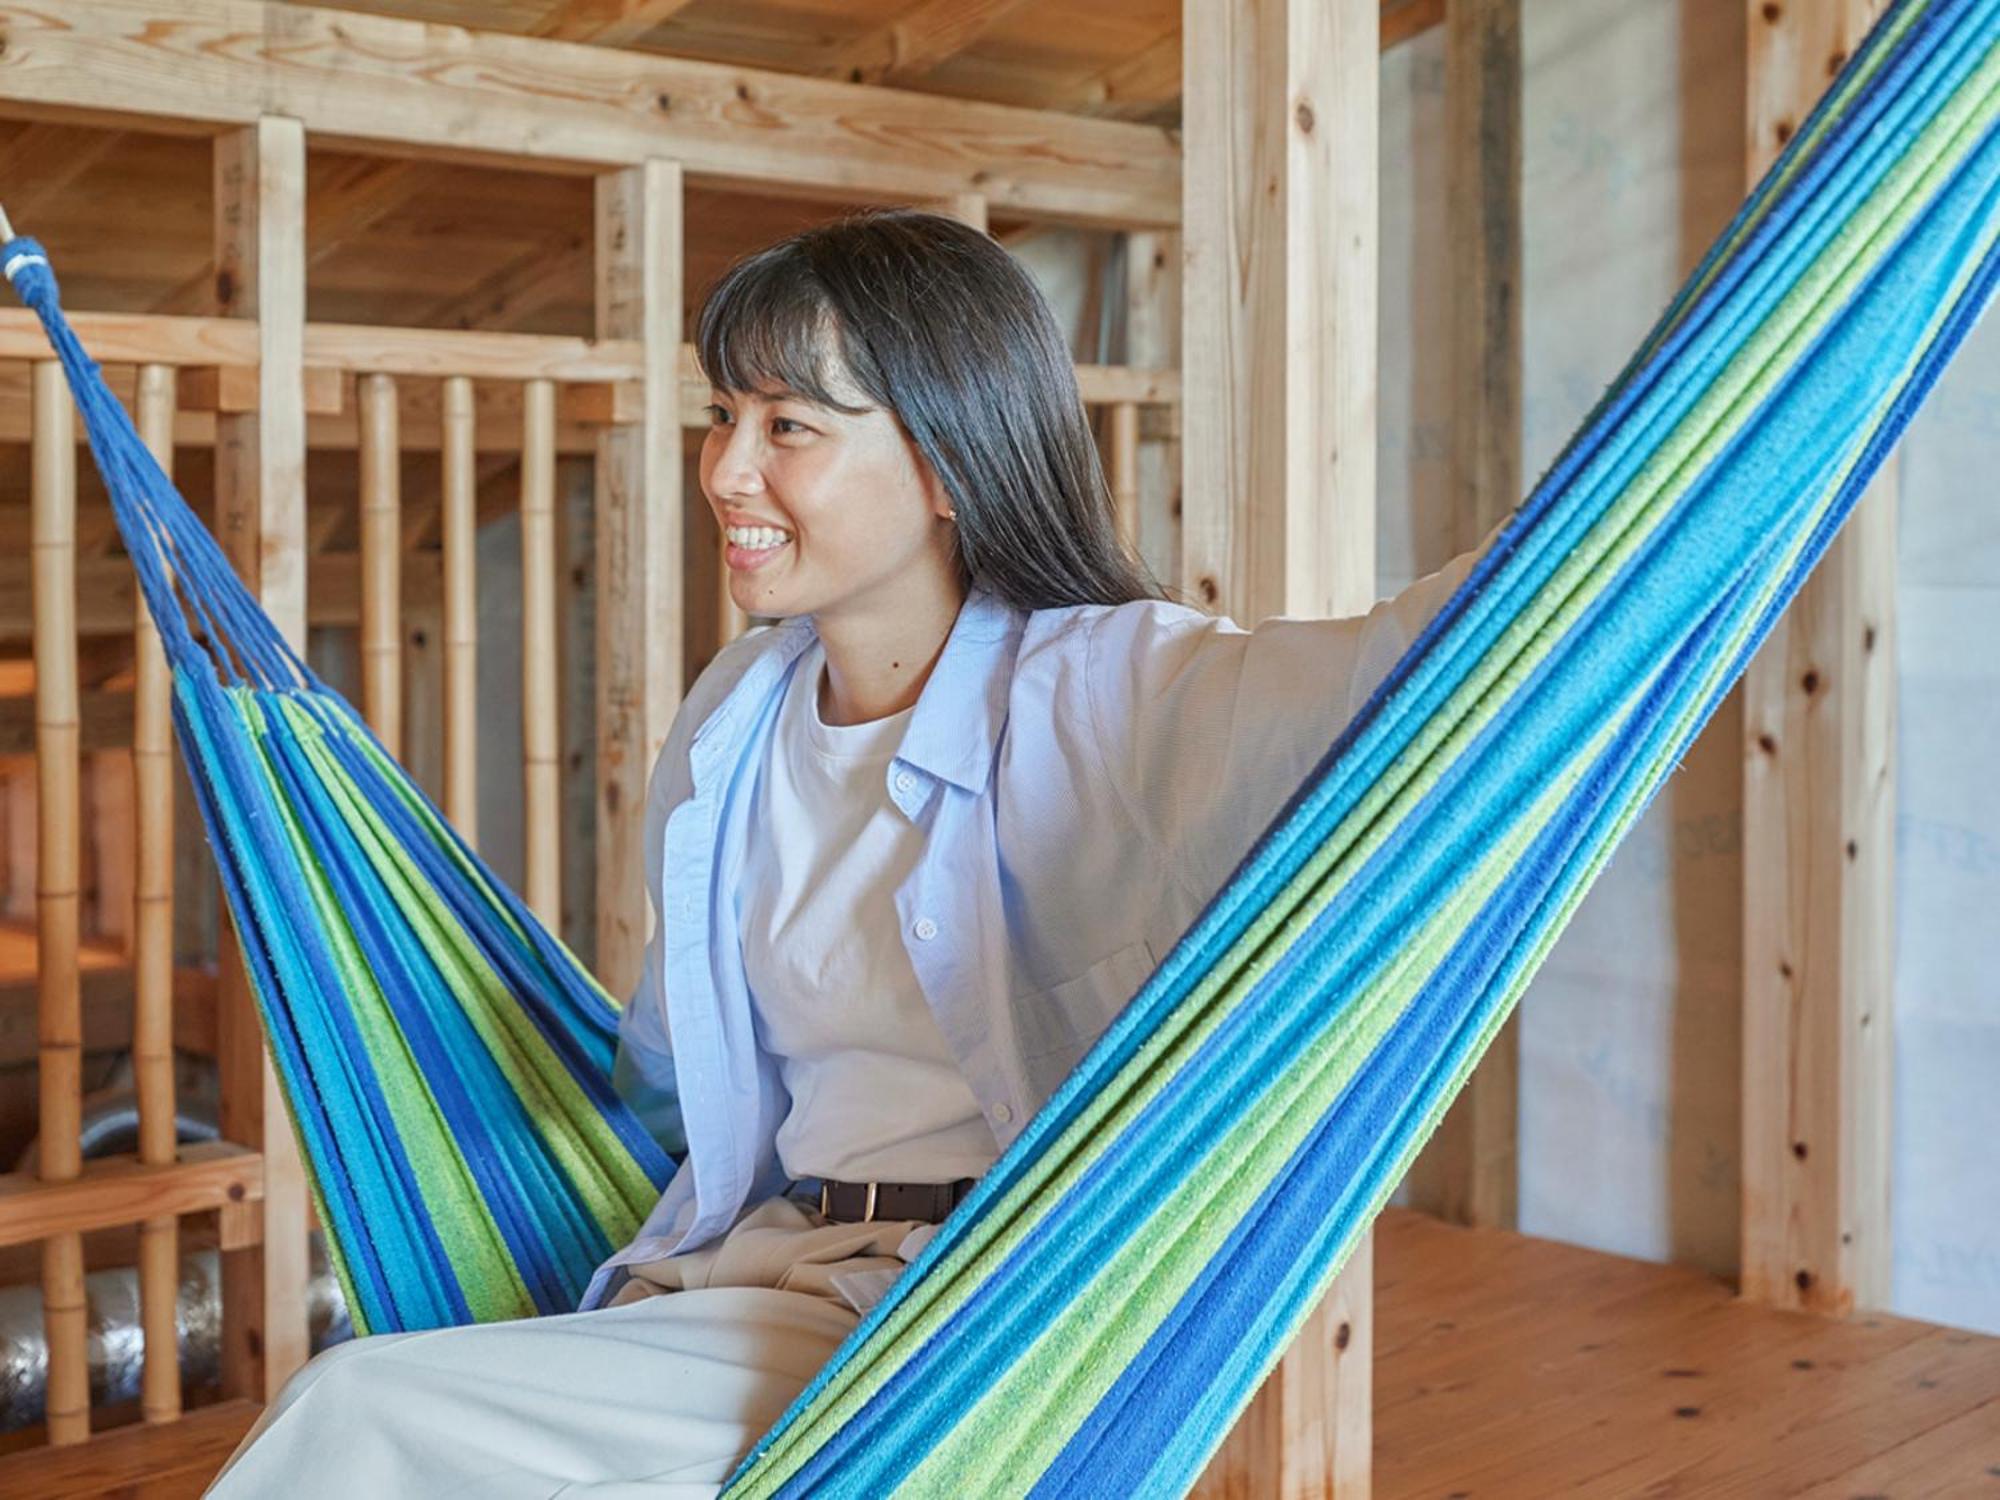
(641, 623)
(114, 1190)
(1469, 1171)
(1506, 1368)
(1818, 838)
(260, 521)
(1279, 221)
(473, 95)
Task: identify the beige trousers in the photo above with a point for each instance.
(657, 1395)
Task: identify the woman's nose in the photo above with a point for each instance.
(736, 469)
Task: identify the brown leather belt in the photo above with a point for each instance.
(861, 1202)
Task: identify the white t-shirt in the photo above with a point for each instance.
(875, 1093)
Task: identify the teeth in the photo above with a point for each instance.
(756, 538)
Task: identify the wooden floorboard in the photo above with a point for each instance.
(173, 1461)
(1514, 1369)
(1507, 1369)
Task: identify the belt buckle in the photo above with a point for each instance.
(867, 1206)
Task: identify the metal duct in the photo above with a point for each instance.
(117, 1345)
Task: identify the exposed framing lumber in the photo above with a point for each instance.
(1280, 225)
(1818, 837)
(384, 83)
(115, 1190)
(609, 23)
(640, 619)
(1469, 1172)
(917, 41)
(261, 524)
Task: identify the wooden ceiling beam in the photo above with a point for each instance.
(917, 41)
(369, 82)
(607, 23)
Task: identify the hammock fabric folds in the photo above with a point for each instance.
(1096, 1314)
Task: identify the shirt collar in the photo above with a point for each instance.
(955, 730)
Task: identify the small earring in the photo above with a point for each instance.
(951, 515)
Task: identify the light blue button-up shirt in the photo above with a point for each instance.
(1086, 779)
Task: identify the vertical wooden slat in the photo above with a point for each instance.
(1818, 824)
(638, 545)
(1279, 213)
(261, 522)
(153, 947)
(1469, 1171)
(1152, 341)
(967, 208)
(58, 855)
(461, 610)
(381, 559)
(540, 713)
(1125, 471)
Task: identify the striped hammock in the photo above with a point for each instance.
(1096, 1314)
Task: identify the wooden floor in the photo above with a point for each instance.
(1509, 1367)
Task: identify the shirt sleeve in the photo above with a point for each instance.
(1206, 729)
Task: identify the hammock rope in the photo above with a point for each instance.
(1096, 1314)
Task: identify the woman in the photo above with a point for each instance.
(911, 850)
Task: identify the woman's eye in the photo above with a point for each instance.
(717, 416)
(785, 426)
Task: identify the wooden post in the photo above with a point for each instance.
(381, 560)
(1818, 823)
(460, 515)
(1279, 214)
(1469, 1172)
(1152, 341)
(638, 544)
(540, 711)
(1125, 472)
(58, 851)
(153, 948)
(968, 208)
(261, 522)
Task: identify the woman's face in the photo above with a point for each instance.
(822, 511)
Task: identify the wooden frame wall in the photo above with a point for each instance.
(1818, 825)
(644, 127)
(1280, 224)
(258, 380)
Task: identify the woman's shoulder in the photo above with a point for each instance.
(1100, 631)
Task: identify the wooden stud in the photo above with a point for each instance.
(461, 611)
(1818, 838)
(638, 545)
(153, 948)
(1125, 472)
(1152, 341)
(381, 560)
(967, 208)
(58, 852)
(540, 710)
(529, 102)
(1279, 214)
(261, 523)
(1469, 1172)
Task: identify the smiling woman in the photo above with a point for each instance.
(913, 849)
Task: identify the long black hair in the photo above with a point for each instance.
(940, 327)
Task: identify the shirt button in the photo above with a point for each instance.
(1003, 1112)
(905, 781)
(925, 929)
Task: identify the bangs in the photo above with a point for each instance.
(769, 324)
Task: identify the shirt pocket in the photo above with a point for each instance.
(1056, 1026)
